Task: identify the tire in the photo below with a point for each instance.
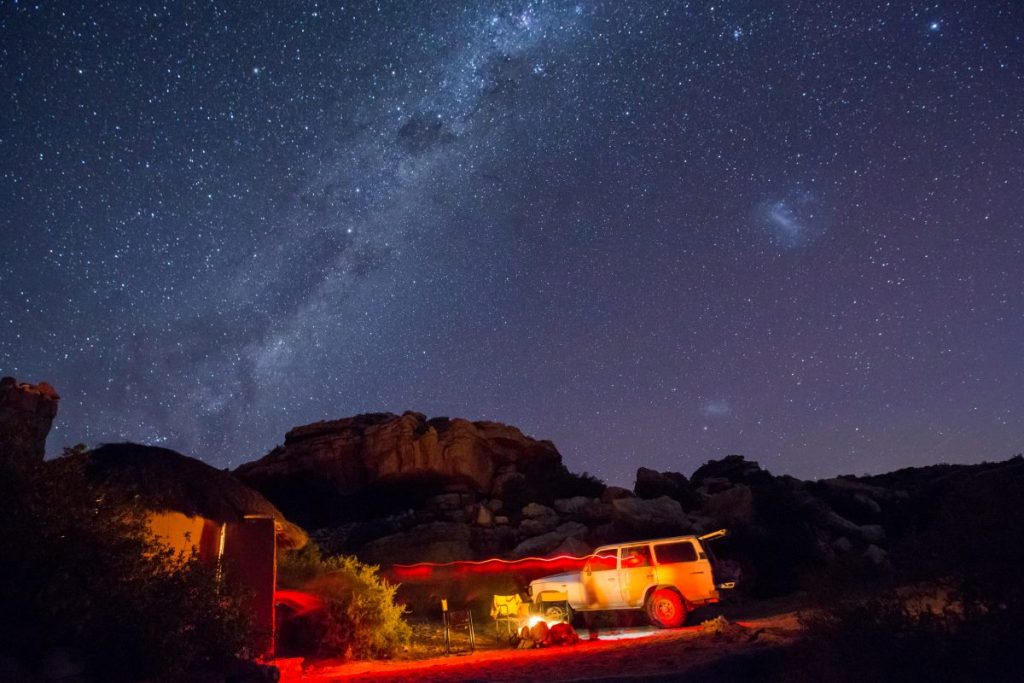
(666, 609)
(558, 612)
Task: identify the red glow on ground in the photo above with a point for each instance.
(591, 658)
(299, 602)
(542, 565)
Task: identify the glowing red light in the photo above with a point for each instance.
(494, 565)
(299, 602)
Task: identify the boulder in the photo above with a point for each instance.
(870, 533)
(484, 517)
(571, 506)
(536, 510)
(839, 524)
(436, 542)
(851, 486)
(733, 506)
(573, 547)
(507, 481)
(653, 484)
(537, 526)
(709, 486)
(492, 541)
(876, 555)
(545, 543)
(595, 511)
(459, 516)
(614, 493)
(870, 505)
(27, 412)
(702, 524)
(842, 545)
(733, 468)
(445, 501)
(657, 513)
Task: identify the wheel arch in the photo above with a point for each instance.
(668, 586)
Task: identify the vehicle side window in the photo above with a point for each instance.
(681, 551)
(636, 556)
(602, 562)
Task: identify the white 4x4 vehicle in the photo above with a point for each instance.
(666, 577)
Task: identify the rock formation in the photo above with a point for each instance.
(355, 452)
(26, 414)
(474, 490)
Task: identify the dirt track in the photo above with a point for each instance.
(617, 654)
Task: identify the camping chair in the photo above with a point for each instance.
(505, 610)
(457, 620)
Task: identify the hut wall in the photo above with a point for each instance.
(185, 534)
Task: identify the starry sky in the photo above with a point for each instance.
(653, 232)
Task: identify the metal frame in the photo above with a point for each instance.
(457, 619)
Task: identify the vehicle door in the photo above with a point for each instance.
(636, 574)
(685, 565)
(601, 580)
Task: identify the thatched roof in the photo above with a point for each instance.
(167, 480)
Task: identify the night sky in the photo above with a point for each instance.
(653, 232)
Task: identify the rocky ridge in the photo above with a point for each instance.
(486, 490)
(775, 521)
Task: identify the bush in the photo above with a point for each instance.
(83, 576)
(961, 553)
(899, 636)
(360, 618)
(877, 639)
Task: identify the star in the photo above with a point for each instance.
(615, 225)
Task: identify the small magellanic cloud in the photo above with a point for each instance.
(715, 408)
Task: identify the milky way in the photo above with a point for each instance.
(654, 233)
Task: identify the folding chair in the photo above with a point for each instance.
(457, 620)
(505, 610)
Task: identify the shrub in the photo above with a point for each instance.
(961, 621)
(84, 576)
(360, 618)
(930, 633)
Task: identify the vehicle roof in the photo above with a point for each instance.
(668, 539)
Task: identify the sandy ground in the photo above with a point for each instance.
(618, 653)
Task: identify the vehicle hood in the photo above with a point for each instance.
(567, 577)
